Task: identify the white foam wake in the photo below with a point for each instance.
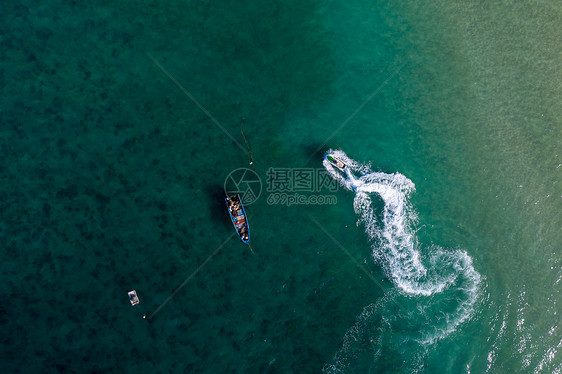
(396, 249)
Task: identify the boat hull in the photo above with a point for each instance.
(238, 217)
(336, 162)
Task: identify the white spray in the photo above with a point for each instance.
(396, 249)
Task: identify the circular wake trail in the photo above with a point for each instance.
(439, 290)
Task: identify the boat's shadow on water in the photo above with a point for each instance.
(216, 196)
(315, 151)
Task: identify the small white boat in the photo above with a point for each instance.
(336, 162)
(133, 298)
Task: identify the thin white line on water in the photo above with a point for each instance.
(340, 246)
(373, 94)
(186, 281)
(196, 102)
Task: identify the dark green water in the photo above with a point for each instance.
(112, 180)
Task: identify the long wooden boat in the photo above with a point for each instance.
(238, 217)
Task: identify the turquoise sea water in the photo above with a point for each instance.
(112, 180)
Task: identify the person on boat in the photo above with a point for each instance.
(244, 232)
